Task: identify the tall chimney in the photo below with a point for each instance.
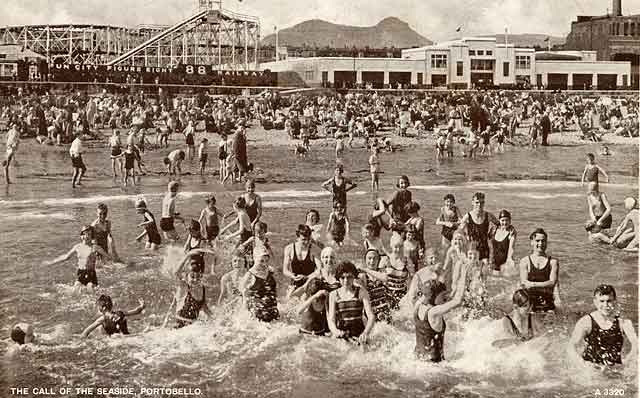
(617, 8)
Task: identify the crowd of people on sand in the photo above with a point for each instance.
(339, 296)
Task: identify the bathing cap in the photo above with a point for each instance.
(630, 202)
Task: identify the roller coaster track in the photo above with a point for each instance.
(160, 36)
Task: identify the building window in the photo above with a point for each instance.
(624, 80)
(459, 68)
(325, 76)
(632, 27)
(505, 69)
(489, 52)
(472, 52)
(438, 60)
(419, 78)
(523, 62)
(626, 28)
(481, 64)
(480, 52)
(308, 75)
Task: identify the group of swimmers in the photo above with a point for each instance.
(345, 298)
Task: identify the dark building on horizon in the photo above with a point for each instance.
(614, 37)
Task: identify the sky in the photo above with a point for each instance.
(436, 20)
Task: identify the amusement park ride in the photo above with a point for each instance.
(212, 36)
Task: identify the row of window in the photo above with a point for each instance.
(480, 52)
(440, 61)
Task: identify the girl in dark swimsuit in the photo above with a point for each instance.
(504, 241)
(112, 322)
(190, 297)
(253, 202)
(449, 217)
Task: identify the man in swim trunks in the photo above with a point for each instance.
(603, 331)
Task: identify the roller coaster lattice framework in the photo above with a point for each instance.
(217, 37)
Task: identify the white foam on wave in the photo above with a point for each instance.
(292, 193)
(548, 196)
(283, 203)
(36, 216)
(518, 184)
(88, 200)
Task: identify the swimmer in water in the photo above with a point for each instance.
(230, 282)
(190, 295)
(603, 330)
(599, 214)
(313, 310)
(519, 324)
(22, 333)
(102, 232)
(592, 170)
(87, 252)
(112, 322)
(169, 214)
(628, 232)
(210, 220)
(149, 225)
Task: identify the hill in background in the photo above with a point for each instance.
(318, 33)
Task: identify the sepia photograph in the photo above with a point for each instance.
(280, 198)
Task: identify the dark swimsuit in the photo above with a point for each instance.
(378, 298)
(115, 323)
(479, 233)
(153, 235)
(339, 229)
(197, 258)
(190, 308)
(429, 343)
(349, 314)
(500, 251)
(252, 210)
(261, 298)
(339, 193)
(314, 322)
(447, 232)
(604, 345)
(304, 267)
(541, 297)
(102, 238)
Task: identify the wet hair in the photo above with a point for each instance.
(250, 182)
(104, 302)
(173, 186)
(538, 231)
(314, 286)
(240, 203)
(194, 226)
(166, 161)
(410, 228)
(403, 178)
(520, 298)
(313, 211)
(412, 207)
(450, 196)
(591, 156)
(102, 207)
(303, 230)
(478, 195)
(434, 291)
(211, 199)
(260, 226)
(345, 267)
(369, 227)
(339, 167)
(604, 290)
(88, 229)
(18, 335)
(504, 214)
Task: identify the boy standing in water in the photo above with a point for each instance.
(150, 227)
(13, 140)
(592, 170)
(374, 168)
(87, 253)
(603, 331)
(102, 231)
(209, 220)
(169, 212)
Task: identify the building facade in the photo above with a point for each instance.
(465, 63)
(614, 37)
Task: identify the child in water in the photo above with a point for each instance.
(517, 325)
(87, 252)
(313, 310)
(149, 224)
(209, 219)
(592, 170)
(338, 225)
(230, 282)
(112, 322)
(102, 231)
